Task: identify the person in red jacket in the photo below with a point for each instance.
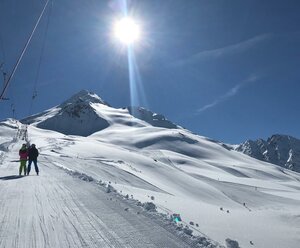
(23, 152)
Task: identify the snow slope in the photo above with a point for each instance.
(219, 193)
(58, 210)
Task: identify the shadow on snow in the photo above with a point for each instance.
(11, 177)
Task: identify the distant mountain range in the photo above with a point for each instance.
(281, 150)
(86, 113)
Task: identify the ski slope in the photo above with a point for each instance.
(219, 193)
(58, 210)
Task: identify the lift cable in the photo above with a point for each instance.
(2, 63)
(2, 48)
(22, 53)
(34, 92)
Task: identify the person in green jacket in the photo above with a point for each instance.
(23, 152)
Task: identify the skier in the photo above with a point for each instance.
(23, 153)
(33, 153)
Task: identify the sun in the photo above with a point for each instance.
(127, 31)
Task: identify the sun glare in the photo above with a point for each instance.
(127, 31)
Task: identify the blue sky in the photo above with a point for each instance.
(228, 70)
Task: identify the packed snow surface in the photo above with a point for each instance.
(220, 194)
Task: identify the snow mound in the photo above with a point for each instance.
(149, 206)
(232, 243)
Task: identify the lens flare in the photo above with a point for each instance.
(128, 32)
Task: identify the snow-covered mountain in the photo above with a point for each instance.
(220, 193)
(282, 150)
(86, 113)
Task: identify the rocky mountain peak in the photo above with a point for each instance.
(83, 96)
(283, 150)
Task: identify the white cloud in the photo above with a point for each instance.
(218, 52)
(230, 93)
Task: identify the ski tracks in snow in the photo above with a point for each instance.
(58, 210)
